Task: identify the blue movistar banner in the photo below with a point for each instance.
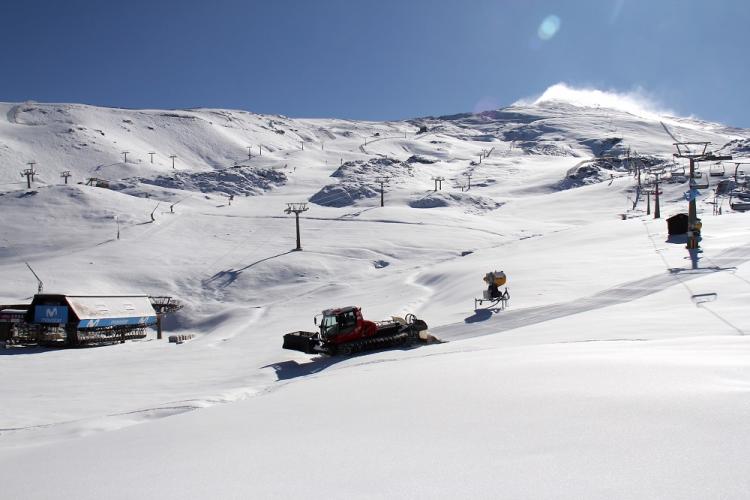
(103, 322)
(51, 314)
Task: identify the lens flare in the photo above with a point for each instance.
(549, 27)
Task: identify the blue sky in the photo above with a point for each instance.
(376, 59)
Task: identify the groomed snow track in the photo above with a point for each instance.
(626, 292)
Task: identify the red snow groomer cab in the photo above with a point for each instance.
(344, 331)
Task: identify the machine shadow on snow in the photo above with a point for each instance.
(13, 351)
(288, 370)
(32, 349)
(481, 315)
(677, 239)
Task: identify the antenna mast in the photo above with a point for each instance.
(40, 287)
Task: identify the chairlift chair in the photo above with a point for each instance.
(739, 174)
(739, 206)
(699, 182)
(717, 170)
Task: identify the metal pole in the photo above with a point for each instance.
(657, 213)
(638, 171)
(297, 208)
(299, 243)
(692, 210)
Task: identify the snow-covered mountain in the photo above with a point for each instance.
(602, 378)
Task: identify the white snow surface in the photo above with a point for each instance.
(602, 379)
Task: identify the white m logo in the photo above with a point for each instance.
(52, 312)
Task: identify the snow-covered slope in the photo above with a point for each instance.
(603, 378)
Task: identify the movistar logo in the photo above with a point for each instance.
(52, 312)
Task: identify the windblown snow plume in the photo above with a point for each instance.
(636, 102)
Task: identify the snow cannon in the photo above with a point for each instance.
(496, 278)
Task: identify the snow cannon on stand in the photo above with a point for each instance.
(494, 280)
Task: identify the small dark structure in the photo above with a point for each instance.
(677, 224)
(11, 316)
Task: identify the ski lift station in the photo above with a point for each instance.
(73, 320)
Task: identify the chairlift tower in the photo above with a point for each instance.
(468, 175)
(65, 174)
(152, 157)
(163, 305)
(296, 209)
(438, 182)
(173, 157)
(657, 213)
(29, 173)
(695, 152)
(382, 181)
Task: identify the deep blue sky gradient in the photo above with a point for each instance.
(376, 59)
